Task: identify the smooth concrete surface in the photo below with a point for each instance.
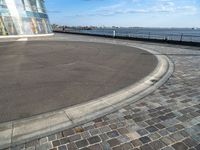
(43, 76)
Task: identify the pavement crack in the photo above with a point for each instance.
(68, 117)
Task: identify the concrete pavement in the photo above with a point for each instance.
(166, 119)
(38, 77)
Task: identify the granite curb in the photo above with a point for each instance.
(13, 38)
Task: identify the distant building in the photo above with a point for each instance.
(23, 17)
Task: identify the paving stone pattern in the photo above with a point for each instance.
(168, 119)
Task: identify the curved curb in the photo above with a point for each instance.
(13, 38)
(21, 131)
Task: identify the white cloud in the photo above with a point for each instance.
(157, 6)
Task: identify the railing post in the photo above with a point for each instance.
(181, 37)
(114, 33)
(166, 38)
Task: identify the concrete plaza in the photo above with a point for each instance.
(166, 119)
(44, 76)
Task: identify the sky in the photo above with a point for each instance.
(125, 13)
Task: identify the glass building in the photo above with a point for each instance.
(23, 17)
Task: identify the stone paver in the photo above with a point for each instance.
(167, 119)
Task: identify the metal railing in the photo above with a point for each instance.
(142, 35)
(173, 37)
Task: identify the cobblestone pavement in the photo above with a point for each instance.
(167, 119)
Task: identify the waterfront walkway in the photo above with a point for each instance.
(167, 119)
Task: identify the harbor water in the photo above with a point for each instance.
(175, 34)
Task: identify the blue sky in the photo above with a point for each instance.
(134, 13)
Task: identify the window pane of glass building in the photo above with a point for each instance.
(23, 17)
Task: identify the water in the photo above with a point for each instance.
(176, 34)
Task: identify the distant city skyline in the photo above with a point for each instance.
(125, 13)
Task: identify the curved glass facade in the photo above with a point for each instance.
(23, 17)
